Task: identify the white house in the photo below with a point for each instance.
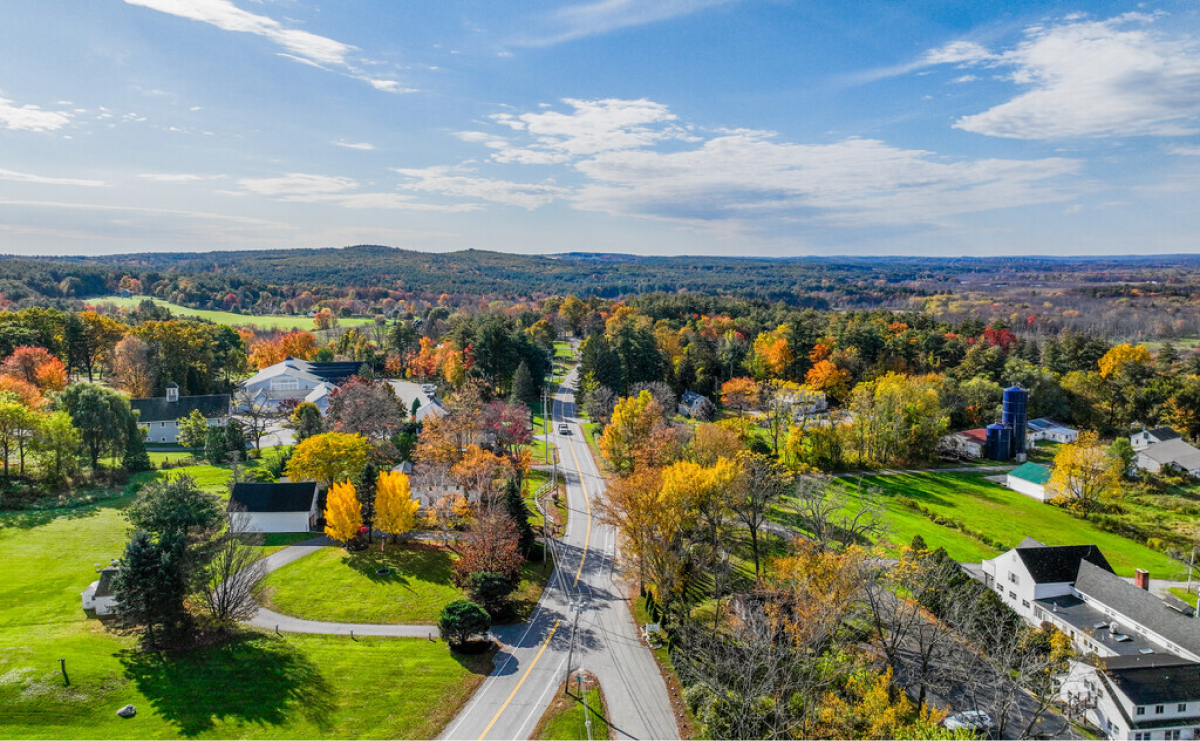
(1170, 454)
(1048, 429)
(294, 379)
(1140, 697)
(1029, 479)
(692, 404)
(319, 396)
(99, 595)
(432, 409)
(805, 401)
(1146, 438)
(1034, 571)
(157, 415)
(287, 507)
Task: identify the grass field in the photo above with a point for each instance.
(284, 322)
(261, 686)
(1183, 594)
(565, 719)
(342, 587)
(1003, 515)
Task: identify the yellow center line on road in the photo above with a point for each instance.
(518, 687)
(587, 501)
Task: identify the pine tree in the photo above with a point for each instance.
(395, 509)
(343, 513)
(365, 489)
(134, 458)
(524, 388)
(514, 504)
(215, 447)
(149, 588)
(235, 438)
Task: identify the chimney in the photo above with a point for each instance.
(1141, 578)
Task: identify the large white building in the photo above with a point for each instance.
(294, 380)
(286, 507)
(1139, 677)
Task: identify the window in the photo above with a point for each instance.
(1158, 709)
(1140, 710)
(1025, 604)
(1172, 735)
(1013, 578)
(1012, 595)
(1181, 707)
(285, 384)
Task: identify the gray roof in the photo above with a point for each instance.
(1154, 678)
(104, 586)
(158, 409)
(1056, 564)
(1138, 605)
(292, 496)
(1173, 452)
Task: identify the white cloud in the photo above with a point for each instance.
(957, 52)
(1185, 151)
(604, 16)
(965, 78)
(364, 146)
(637, 160)
(297, 184)
(457, 182)
(31, 117)
(301, 46)
(24, 177)
(180, 177)
(1117, 77)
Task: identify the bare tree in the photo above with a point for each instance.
(760, 485)
(233, 575)
(832, 518)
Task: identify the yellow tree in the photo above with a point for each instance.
(343, 512)
(1115, 360)
(329, 457)
(1083, 473)
(395, 509)
(771, 354)
(632, 428)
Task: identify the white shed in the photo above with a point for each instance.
(99, 595)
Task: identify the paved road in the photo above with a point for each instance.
(582, 621)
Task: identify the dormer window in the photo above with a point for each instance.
(172, 393)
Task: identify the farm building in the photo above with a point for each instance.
(99, 595)
(1048, 429)
(286, 507)
(1029, 479)
(157, 415)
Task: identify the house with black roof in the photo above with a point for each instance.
(1146, 438)
(1144, 697)
(1034, 571)
(158, 415)
(285, 507)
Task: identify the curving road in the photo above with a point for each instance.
(582, 621)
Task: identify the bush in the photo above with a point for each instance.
(490, 589)
(461, 620)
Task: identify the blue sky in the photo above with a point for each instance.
(727, 127)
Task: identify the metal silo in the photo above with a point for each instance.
(1015, 416)
(999, 442)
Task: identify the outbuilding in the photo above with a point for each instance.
(99, 595)
(286, 507)
(1029, 479)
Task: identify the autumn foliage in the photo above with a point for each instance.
(395, 509)
(343, 512)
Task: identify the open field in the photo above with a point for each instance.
(260, 686)
(1003, 515)
(283, 322)
(342, 587)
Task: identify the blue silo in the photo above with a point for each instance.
(999, 442)
(1015, 416)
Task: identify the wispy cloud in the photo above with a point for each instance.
(177, 177)
(31, 117)
(364, 146)
(301, 46)
(24, 177)
(1118, 77)
(604, 16)
(462, 183)
(299, 187)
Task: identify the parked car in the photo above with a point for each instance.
(971, 720)
(563, 429)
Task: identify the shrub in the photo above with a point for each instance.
(461, 620)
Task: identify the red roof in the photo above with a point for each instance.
(979, 436)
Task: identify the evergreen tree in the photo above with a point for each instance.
(193, 430)
(148, 590)
(134, 458)
(514, 505)
(235, 438)
(524, 388)
(215, 446)
(306, 421)
(412, 412)
(365, 489)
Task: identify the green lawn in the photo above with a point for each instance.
(1002, 515)
(1183, 594)
(565, 720)
(284, 322)
(332, 584)
(261, 686)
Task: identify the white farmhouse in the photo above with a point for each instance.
(1146, 438)
(157, 415)
(287, 507)
(99, 595)
(1033, 571)
(1170, 454)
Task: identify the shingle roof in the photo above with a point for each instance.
(104, 585)
(1138, 605)
(1031, 472)
(1054, 564)
(1173, 452)
(1154, 678)
(158, 409)
(979, 435)
(293, 496)
(1163, 434)
(336, 372)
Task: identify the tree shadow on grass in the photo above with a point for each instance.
(404, 562)
(252, 679)
(70, 509)
(479, 657)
